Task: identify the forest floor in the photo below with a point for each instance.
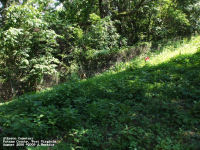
(138, 105)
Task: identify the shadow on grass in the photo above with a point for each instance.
(153, 107)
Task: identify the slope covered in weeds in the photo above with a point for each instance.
(136, 105)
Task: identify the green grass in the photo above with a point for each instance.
(135, 105)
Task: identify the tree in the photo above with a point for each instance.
(27, 48)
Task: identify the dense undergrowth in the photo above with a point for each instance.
(136, 106)
(48, 42)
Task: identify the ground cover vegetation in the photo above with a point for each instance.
(135, 105)
(108, 96)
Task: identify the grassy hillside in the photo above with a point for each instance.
(136, 105)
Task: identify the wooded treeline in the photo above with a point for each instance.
(43, 42)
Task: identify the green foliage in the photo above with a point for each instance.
(80, 49)
(194, 16)
(98, 42)
(101, 35)
(77, 11)
(85, 37)
(27, 48)
(176, 17)
(136, 107)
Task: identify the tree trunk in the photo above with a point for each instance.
(101, 9)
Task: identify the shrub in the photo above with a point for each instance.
(26, 49)
(99, 40)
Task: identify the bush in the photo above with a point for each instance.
(26, 49)
(99, 41)
(101, 35)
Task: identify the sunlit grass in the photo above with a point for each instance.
(174, 49)
(170, 52)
